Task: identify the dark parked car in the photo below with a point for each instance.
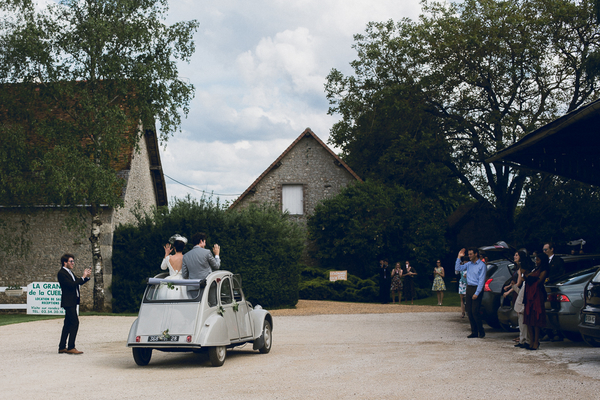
(565, 301)
(589, 323)
(499, 271)
(558, 309)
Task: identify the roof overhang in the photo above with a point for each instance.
(568, 146)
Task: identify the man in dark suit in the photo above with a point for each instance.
(384, 282)
(556, 268)
(69, 285)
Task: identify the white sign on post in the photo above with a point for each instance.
(44, 298)
(338, 276)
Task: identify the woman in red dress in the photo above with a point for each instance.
(535, 296)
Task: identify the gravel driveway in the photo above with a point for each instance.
(366, 352)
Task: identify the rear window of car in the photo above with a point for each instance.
(577, 278)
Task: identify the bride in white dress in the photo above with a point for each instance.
(173, 264)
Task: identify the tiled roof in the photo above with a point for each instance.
(122, 165)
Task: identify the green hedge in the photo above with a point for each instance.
(259, 243)
(315, 285)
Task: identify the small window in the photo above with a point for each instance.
(292, 198)
(212, 295)
(237, 288)
(226, 297)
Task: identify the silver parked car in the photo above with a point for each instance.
(213, 316)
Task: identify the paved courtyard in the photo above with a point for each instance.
(410, 355)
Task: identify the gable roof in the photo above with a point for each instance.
(307, 133)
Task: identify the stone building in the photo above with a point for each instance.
(306, 173)
(41, 235)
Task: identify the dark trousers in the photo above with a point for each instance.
(70, 328)
(472, 307)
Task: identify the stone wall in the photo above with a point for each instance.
(308, 163)
(35, 238)
(40, 236)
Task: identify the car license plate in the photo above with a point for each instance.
(590, 319)
(161, 338)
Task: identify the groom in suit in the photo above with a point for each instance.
(69, 285)
(199, 262)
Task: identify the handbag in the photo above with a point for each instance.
(519, 307)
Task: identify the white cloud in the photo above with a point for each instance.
(259, 70)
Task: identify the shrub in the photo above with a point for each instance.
(259, 243)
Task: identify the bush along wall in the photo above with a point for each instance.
(315, 285)
(259, 243)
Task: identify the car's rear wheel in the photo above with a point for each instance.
(217, 355)
(572, 336)
(141, 355)
(591, 341)
(267, 338)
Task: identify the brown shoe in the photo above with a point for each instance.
(61, 351)
(74, 351)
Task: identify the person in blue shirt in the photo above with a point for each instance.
(476, 270)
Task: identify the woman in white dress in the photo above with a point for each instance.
(173, 264)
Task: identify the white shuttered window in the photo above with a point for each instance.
(292, 197)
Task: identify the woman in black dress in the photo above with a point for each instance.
(409, 284)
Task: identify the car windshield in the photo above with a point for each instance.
(596, 278)
(171, 290)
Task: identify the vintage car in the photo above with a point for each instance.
(213, 316)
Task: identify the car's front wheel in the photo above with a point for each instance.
(591, 341)
(217, 355)
(141, 355)
(267, 338)
(508, 328)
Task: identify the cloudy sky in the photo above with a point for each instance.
(259, 70)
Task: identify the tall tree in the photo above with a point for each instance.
(395, 141)
(488, 72)
(82, 81)
(369, 221)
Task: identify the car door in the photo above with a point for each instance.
(228, 311)
(243, 313)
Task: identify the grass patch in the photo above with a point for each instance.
(8, 319)
(451, 299)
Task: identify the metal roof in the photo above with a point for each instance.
(568, 146)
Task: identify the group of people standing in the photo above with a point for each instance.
(529, 293)
(399, 281)
(526, 287)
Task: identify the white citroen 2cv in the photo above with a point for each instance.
(213, 314)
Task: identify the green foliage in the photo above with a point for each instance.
(315, 285)
(559, 211)
(485, 71)
(370, 221)
(395, 141)
(259, 243)
(82, 82)
(78, 79)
